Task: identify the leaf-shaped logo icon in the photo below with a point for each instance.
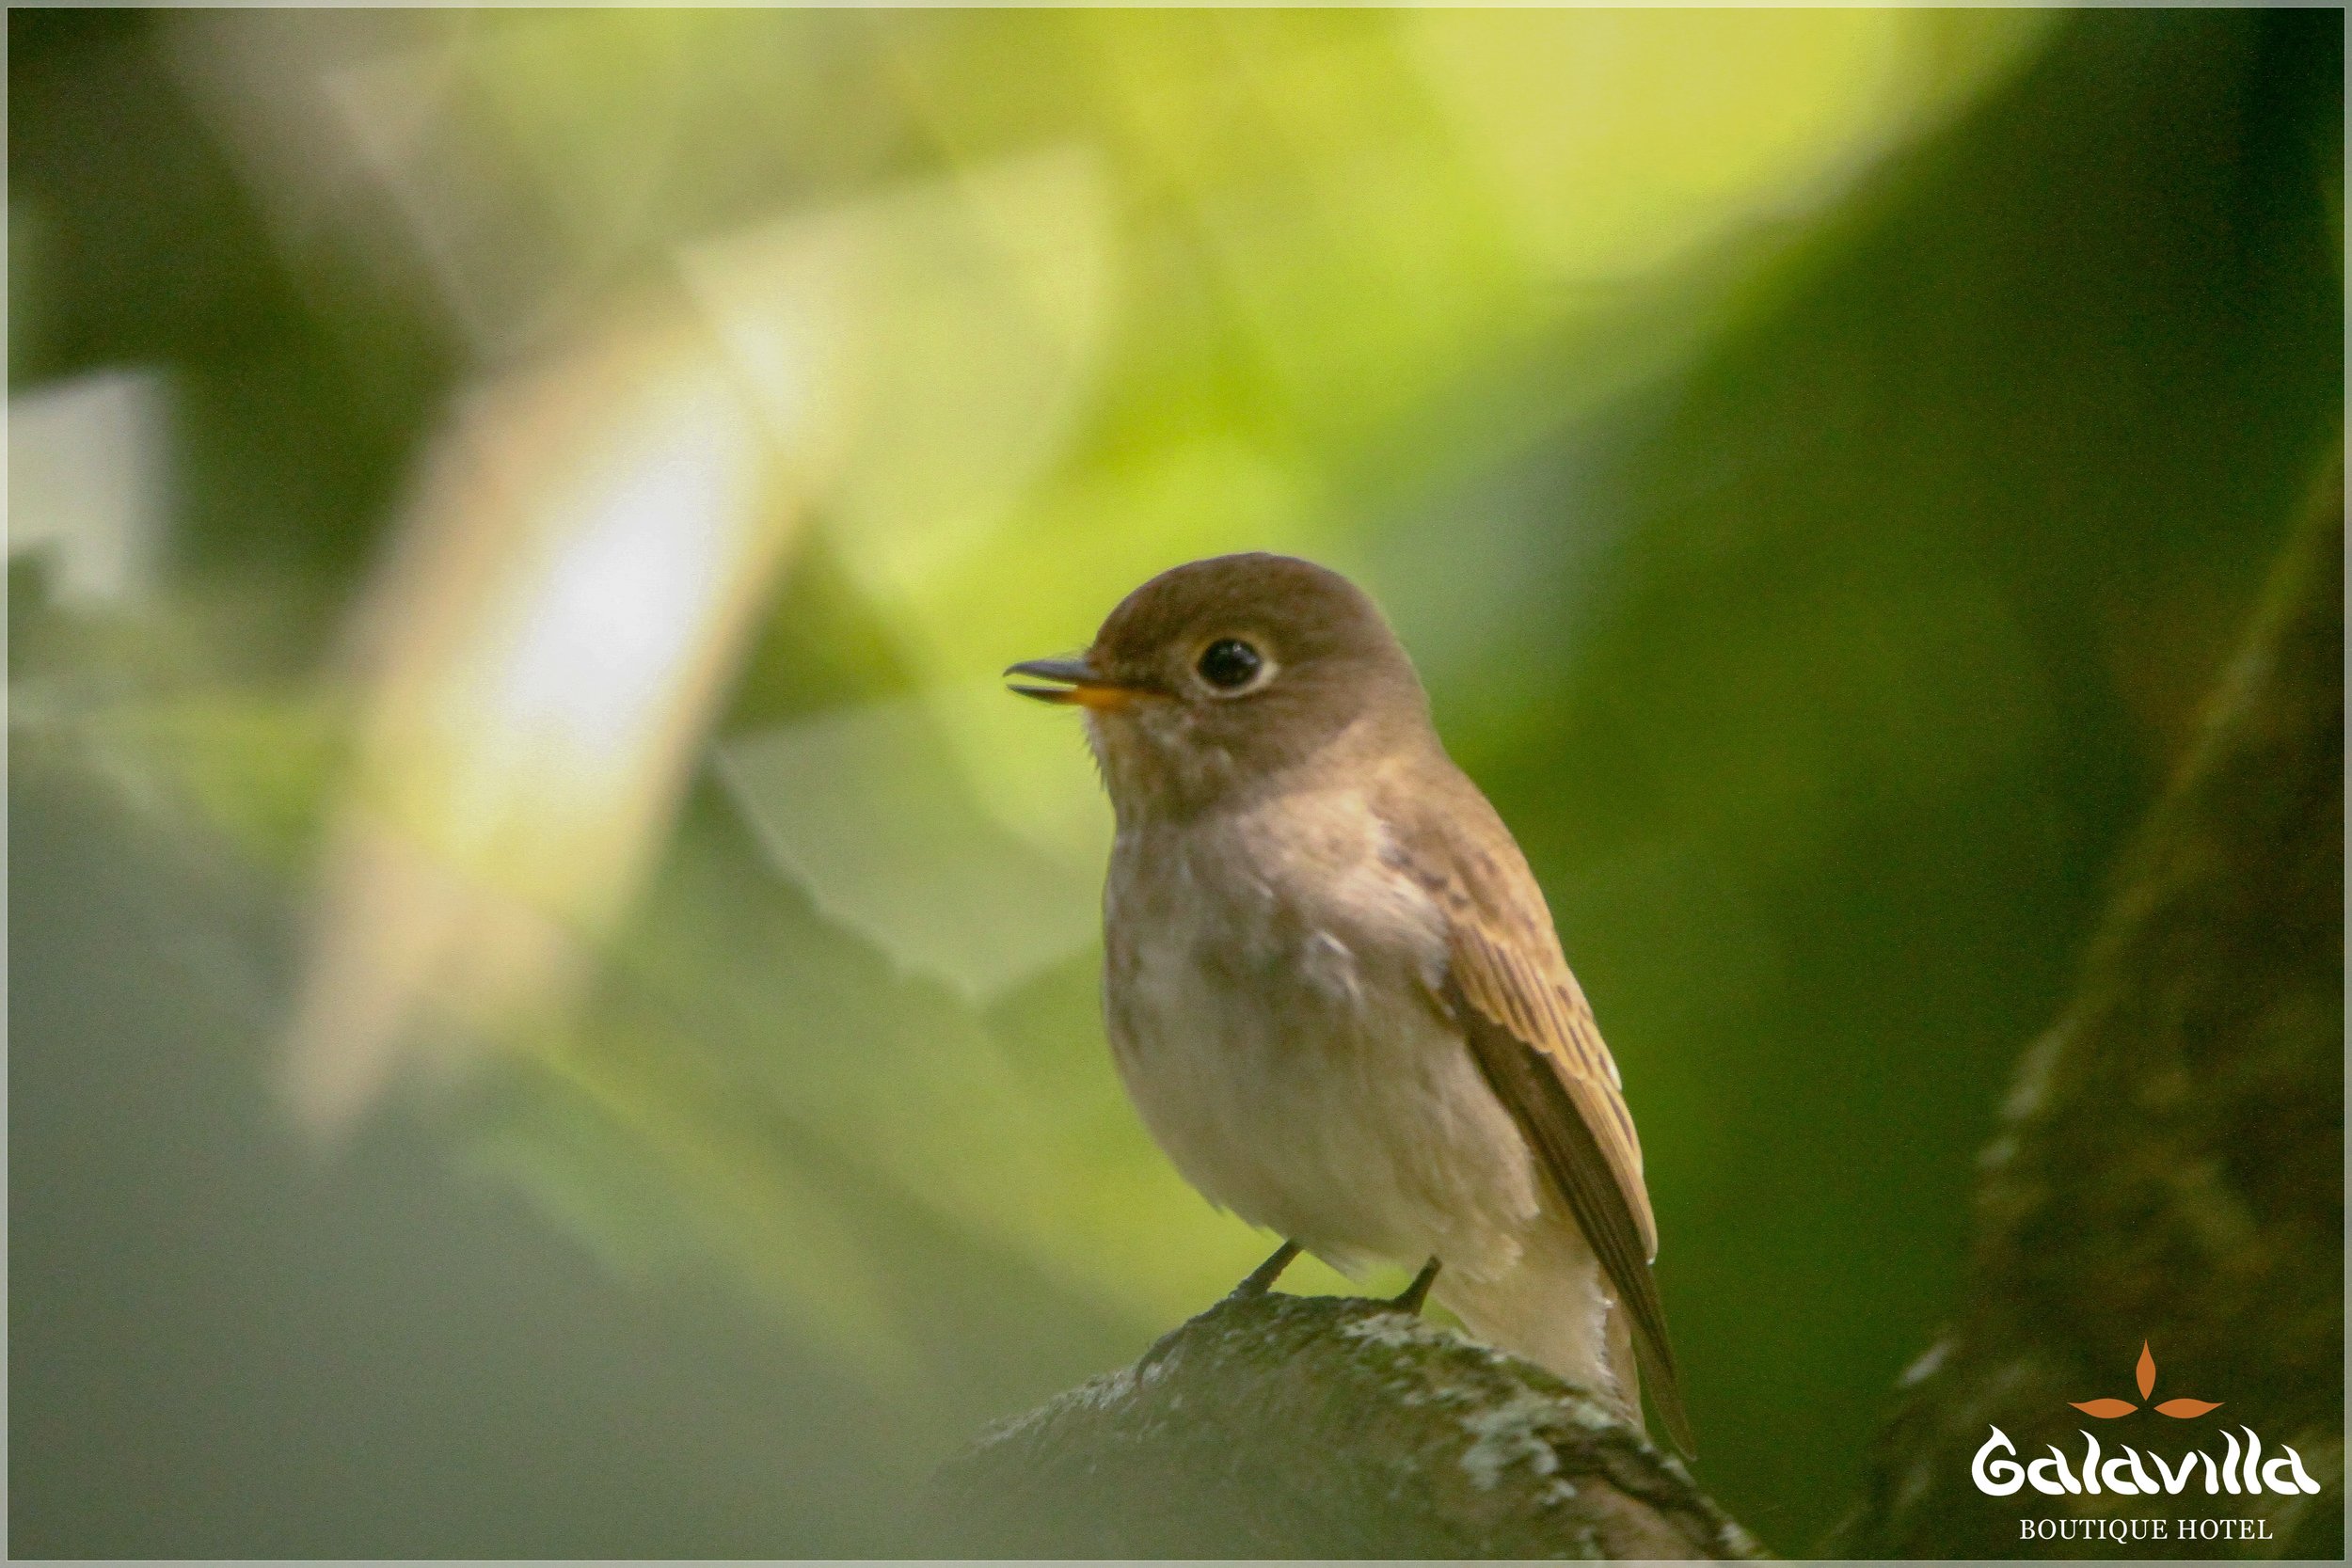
(2145, 1374)
(2181, 1410)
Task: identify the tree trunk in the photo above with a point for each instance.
(2171, 1167)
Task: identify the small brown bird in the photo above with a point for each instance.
(1331, 984)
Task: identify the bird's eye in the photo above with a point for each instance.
(1229, 664)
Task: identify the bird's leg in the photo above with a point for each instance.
(1261, 1278)
(1418, 1291)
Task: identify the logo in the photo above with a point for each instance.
(2239, 1470)
(2180, 1410)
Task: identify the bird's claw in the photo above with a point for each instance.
(1261, 1278)
(1411, 1299)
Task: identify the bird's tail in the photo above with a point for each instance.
(1553, 1307)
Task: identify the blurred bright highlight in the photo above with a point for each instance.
(539, 663)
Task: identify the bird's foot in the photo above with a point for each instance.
(1418, 1291)
(1261, 1278)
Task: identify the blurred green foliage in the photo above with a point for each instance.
(1817, 542)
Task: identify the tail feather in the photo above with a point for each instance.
(1625, 1365)
(1666, 1388)
(1554, 1308)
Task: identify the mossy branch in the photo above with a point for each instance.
(1314, 1426)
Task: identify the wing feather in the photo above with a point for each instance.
(1535, 1041)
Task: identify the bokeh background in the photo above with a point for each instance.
(551, 995)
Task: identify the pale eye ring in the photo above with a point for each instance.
(1230, 666)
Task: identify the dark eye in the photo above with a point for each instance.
(1229, 664)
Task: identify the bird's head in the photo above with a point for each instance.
(1223, 677)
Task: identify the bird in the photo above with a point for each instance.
(1331, 984)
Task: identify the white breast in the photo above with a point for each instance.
(1269, 995)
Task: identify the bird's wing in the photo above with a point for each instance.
(1532, 1032)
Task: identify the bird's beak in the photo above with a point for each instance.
(1075, 681)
